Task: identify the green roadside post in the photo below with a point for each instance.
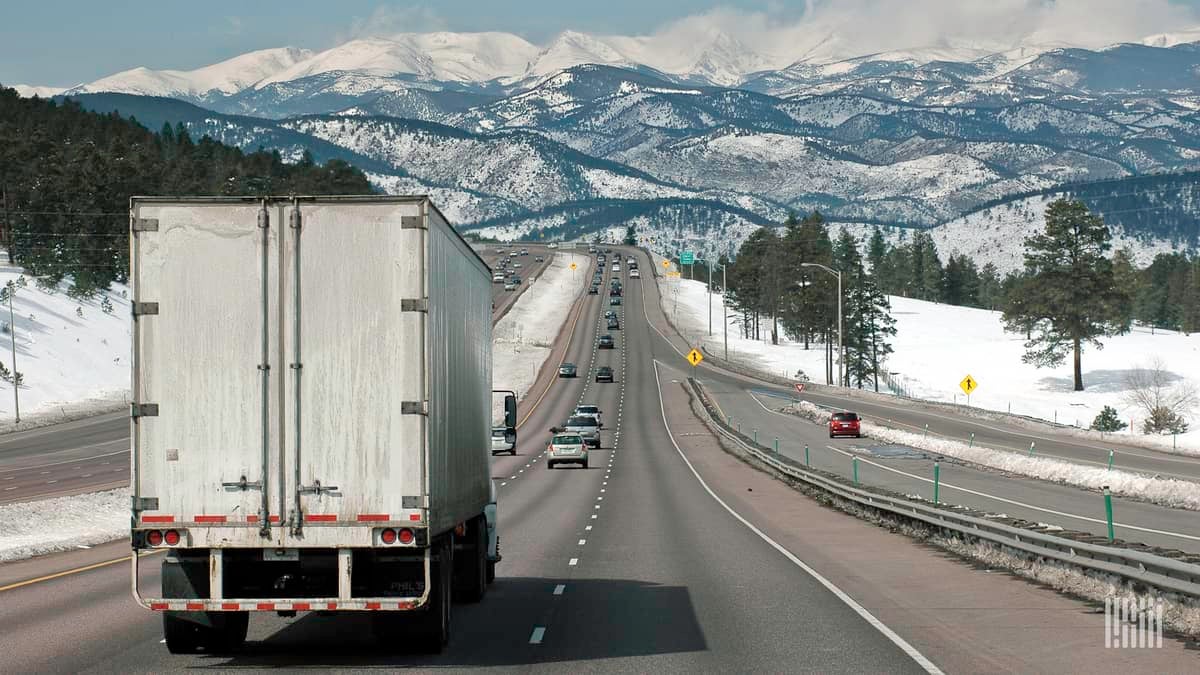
(776, 444)
(926, 428)
(855, 460)
(806, 456)
(1110, 459)
(1031, 448)
(756, 436)
(1108, 513)
(972, 443)
(937, 479)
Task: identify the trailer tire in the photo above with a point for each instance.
(225, 632)
(491, 571)
(182, 636)
(471, 582)
(432, 627)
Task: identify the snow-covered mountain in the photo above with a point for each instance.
(227, 77)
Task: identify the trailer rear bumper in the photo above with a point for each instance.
(344, 601)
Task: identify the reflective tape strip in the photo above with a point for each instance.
(320, 517)
(158, 519)
(209, 519)
(415, 517)
(373, 517)
(266, 606)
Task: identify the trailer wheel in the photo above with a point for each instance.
(471, 583)
(182, 636)
(225, 632)
(491, 571)
(431, 631)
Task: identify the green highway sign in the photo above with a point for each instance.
(687, 258)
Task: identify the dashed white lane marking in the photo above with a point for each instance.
(594, 516)
(582, 542)
(870, 618)
(513, 477)
(558, 590)
(597, 507)
(539, 632)
(588, 528)
(10, 488)
(51, 481)
(162, 641)
(504, 483)
(573, 562)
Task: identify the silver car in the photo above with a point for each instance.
(502, 441)
(566, 448)
(590, 411)
(585, 426)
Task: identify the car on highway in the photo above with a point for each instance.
(524, 251)
(567, 370)
(516, 279)
(510, 285)
(614, 291)
(606, 342)
(845, 424)
(593, 290)
(512, 254)
(503, 441)
(633, 274)
(552, 245)
(497, 278)
(616, 268)
(566, 448)
(615, 301)
(539, 259)
(604, 374)
(516, 266)
(614, 323)
(631, 261)
(609, 313)
(583, 425)
(591, 411)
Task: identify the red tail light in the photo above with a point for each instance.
(154, 538)
(171, 537)
(388, 536)
(406, 536)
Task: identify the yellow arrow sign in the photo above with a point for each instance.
(694, 357)
(968, 385)
(666, 263)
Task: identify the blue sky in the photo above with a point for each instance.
(61, 42)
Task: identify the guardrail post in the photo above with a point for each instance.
(926, 430)
(937, 479)
(776, 444)
(756, 436)
(972, 443)
(806, 456)
(855, 461)
(1031, 448)
(1110, 459)
(1108, 512)
(739, 427)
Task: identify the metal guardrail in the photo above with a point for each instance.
(1145, 568)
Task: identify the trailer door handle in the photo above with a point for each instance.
(243, 485)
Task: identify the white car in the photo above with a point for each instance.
(497, 278)
(633, 274)
(503, 442)
(510, 286)
(616, 268)
(566, 448)
(592, 411)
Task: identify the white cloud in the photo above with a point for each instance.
(390, 20)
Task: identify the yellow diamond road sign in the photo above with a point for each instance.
(968, 385)
(694, 357)
(572, 267)
(666, 263)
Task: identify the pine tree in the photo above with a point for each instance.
(1067, 297)
(1108, 420)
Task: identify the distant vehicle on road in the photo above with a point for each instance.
(510, 285)
(614, 323)
(497, 278)
(845, 424)
(606, 342)
(614, 291)
(524, 251)
(583, 425)
(539, 259)
(516, 266)
(567, 370)
(593, 290)
(604, 374)
(591, 411)
(503, 440)
(614, 301)
(567, 449)
(633, 274)
(608, 313)
(552, 245)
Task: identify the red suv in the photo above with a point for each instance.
(844, 424)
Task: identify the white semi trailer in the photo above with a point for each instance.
(311, 414)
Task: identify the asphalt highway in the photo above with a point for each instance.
(666, 555)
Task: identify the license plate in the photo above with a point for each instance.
(281, 554)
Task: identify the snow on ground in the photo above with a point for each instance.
(521, 340)
(1179, 494)
(62, 523)
(937, 345)
(69, 350)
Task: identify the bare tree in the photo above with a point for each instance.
(1165, 398)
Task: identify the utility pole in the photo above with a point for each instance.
(709, 299)
(12, 334)
(6, 231)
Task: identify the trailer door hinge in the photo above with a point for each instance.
(145, 503)
(144, 225)
(137, 410)
(412, 223)
(414, 305)
(145, 308)
(414, 408)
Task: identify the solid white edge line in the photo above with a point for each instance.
(995, 498)
(927, 665)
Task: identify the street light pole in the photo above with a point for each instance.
(839, 314)
(12, 332)
(709, 299)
